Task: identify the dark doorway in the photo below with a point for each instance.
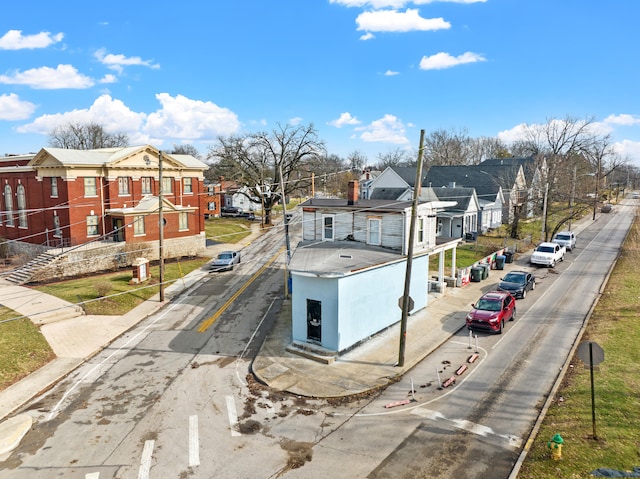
(314, 320)
(118, 231)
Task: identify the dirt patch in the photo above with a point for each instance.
(249, 427)
(299, 453)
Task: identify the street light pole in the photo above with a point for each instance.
(161, 227)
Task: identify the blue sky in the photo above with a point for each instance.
(369, 75)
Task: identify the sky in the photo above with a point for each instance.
(368, 74)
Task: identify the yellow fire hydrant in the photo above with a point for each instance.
(556, 447)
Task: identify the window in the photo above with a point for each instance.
(184, 221)
(373, 229)
(123, 185)
(145, 182)
(138, 225)
(188, 188)
(22, 206)
(439, 230)
(90, 187)
(167, 185)
(54, 187)
(327, 228)
(92, 225)
(211, 206)
(420, 230)
(8, 204)
(57, 233)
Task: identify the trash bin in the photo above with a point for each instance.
(508, 256)
(500, 260)
(485, 268)
(476, 274)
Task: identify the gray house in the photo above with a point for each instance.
(461, 219)
(348, 272)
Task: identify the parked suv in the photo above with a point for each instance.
(230, 211)
(491, 311)
(566, 239)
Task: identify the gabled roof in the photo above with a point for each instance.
(462, 196)
(387, 193)
(528, 164)
(408, 174)
(486, 185)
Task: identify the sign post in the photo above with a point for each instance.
(592, 354)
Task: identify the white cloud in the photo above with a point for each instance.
(367, 36)
(116, 62)
(623, 119)
(47, 78)
(14, 40)
(112, 114)
(516, 133)
(396, 21)
(187, 119)
(295, 121)
(443, 60)
(108, 78)
(628, 149)
(387, 129)
(390, 73)
(395, 3)
(12, 108)
(345, 119)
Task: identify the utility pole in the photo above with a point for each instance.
(161, 227)
(286, 233)
(412, 229)
(573, 194)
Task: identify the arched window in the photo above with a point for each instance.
(8, 204)
(22, 206)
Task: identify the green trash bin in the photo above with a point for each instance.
(508, 255)
(485, 270)
(500, 260)
(476, 274)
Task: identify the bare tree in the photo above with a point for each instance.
(85, 136)
(448, 148)
(268, 163)
(357, 160)
(395, 157)
(186, 150)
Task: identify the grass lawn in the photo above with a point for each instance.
(227, 230)
(23, 349)
(614, 326)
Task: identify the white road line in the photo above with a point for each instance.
(471, 427)
(194, 442)
(145, 460)
(92, 475)
(233, 416)
(54, 411)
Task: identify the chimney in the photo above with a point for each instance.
(353, 193)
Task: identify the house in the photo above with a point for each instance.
(66, 198)
(461, 219)
(488, 190)
(213, 199)
(366, 179)
(348, 273)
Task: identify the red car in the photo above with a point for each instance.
(491, 311)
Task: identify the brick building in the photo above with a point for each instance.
(61, 197)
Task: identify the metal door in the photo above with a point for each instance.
(314, 320)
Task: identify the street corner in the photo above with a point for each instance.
(12, 431)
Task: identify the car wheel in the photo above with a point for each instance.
(524, 293)
(562, 259)
(501, 327)
(533, 286)
(553, 264)
(513, 316)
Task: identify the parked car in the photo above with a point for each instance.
(491, 311)
(566, 239)
(250, 215)
(606, 208)
(518, 283)
(230, 211)
(548, 254)
(225, 261)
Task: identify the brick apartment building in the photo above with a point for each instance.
(62, 198)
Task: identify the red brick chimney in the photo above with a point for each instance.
(353, 192)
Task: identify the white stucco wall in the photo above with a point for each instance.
(357, 306)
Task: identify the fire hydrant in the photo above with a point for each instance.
(556, 447)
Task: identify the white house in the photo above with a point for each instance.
(348, 273)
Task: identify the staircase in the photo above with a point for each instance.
(24, 273)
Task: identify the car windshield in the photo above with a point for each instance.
(545, 249)
(514, 278)
(562, 237)
(488, 304)
(224, 256)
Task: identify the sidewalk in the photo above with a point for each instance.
(367, 367)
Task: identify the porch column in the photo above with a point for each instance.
(453, 262)
(441, 266)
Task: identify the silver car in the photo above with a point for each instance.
(225, 261)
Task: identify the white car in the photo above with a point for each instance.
(225, 261)
(566, 239)
(548, 254)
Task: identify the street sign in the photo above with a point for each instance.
(590, 353)
(411, 304)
